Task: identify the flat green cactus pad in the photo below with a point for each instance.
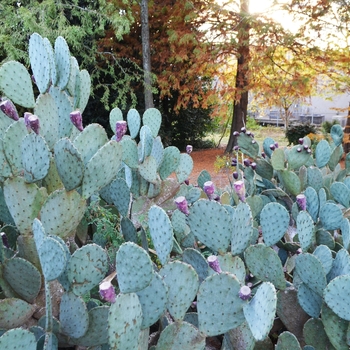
(14, 313)
(19, 339)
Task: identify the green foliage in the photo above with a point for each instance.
(326, 126)
(296, 131)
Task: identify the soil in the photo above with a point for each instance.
(205, 160)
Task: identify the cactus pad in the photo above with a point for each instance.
(219, 306)
(305, 227)
(130, 155)
(341, 193)
(203, 221)
(194, 258)
(322, 154)
(84, 91)
(312, 202)
(14, 313)
(233, 265)
(136, 273)
(181, 335)
(114, 116)
(274, 220)
(171, 161)
(331, 216)
(62, 58)
(185, 167)
(341, 264)
(124, 322)
(287, 341)
(182, 281)
(153, 119)
(271, 270)
(19, 339)
(134, 122)
(337, 134)
(324, 254)
(86, 268)
(260, 312)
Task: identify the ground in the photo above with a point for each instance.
(205, 160)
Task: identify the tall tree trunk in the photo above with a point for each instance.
(146, 55)
(240, 107)
(346, 140)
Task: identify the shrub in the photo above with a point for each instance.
(296, 131)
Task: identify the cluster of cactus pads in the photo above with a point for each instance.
(272, 250)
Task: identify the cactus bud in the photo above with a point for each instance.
(301, 201)
(253, 142)
(235, 133)
(107, 291)
(263, 154)
(299, 149)
(5, 241)
(309, 150)
(77, 119)
(301, 141)
(120, 129)
(272, 147)
(248, 133)
(214, 263)
(209, 188)
(8, 108)
(182, 204)
(253, 165)
(187, 182)
(276, 144)
(234, 162)
(240, 189)
(306, 147)
(243, 129)
(235, 148)
(246, 162)
(245, 292)
(31, 121)
(235, 175)
(189, 149)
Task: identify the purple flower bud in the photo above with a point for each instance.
(272, 147)
(235, 175)
(5, 241)
(263, 154)
(309, 150)
(234, 162)
(306, 147)
(187, 182)
(301, 201)
(214, 263)
(248, 133)
(107, 291)
(208, 188)
(31, 121)
(236, 148)
(240, 189)
(246, 162)
(276, 144)
(120, 129)
(8, 108)
(243, 129)
(182, 204)
(299, 149)
(301, 141)
(189, 149)
(253, 142)
(251, 134)
(77, 119)
(253, 165)
(235, 133)
(245, 292)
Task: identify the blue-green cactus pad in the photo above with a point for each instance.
(52, 180)
(148, 169)
(23, 277)
(305, 228)
(74, 316)
(182, 282)
(312, 202)
(233, 265)
(171, 161)
(90, 140)
(185, 167)
(337, 134)
(242, 228)
(86, 268)
(297, 159)
(69, 209)
(211, 224)
(157, 150)
(314, 178)
(39, 62)
(287, 341)
(153, 301)
(345, 232)
(271, 270)
(274, 220)
(13, 137)
(5, 169)
(247, 145)
(340, 193)
(47, 112)
(153, 119)
(197, 261)
(336, 155)
(341, 264)
(337, 297)
(219, 306)
(23, 213)
(130, 155)
(115, 116)
(203, 177)
(291, 182)
(260, 312)
(324, 254)
(16, 84)
(311, 272)
(108, 158)
(181, 335)
(128, 230)
(69, 164)
(322, 154)
(14, 313)
(278, 159)
(335, 327)
(124, 322)
(62, 58)
(315, 335)
(96, 333)
(84, 89)
(331, 216)
(134, 122)
(19, 339)
(161, 232)
(136, 273)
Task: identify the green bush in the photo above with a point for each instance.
(296, 131)
(326, 126)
